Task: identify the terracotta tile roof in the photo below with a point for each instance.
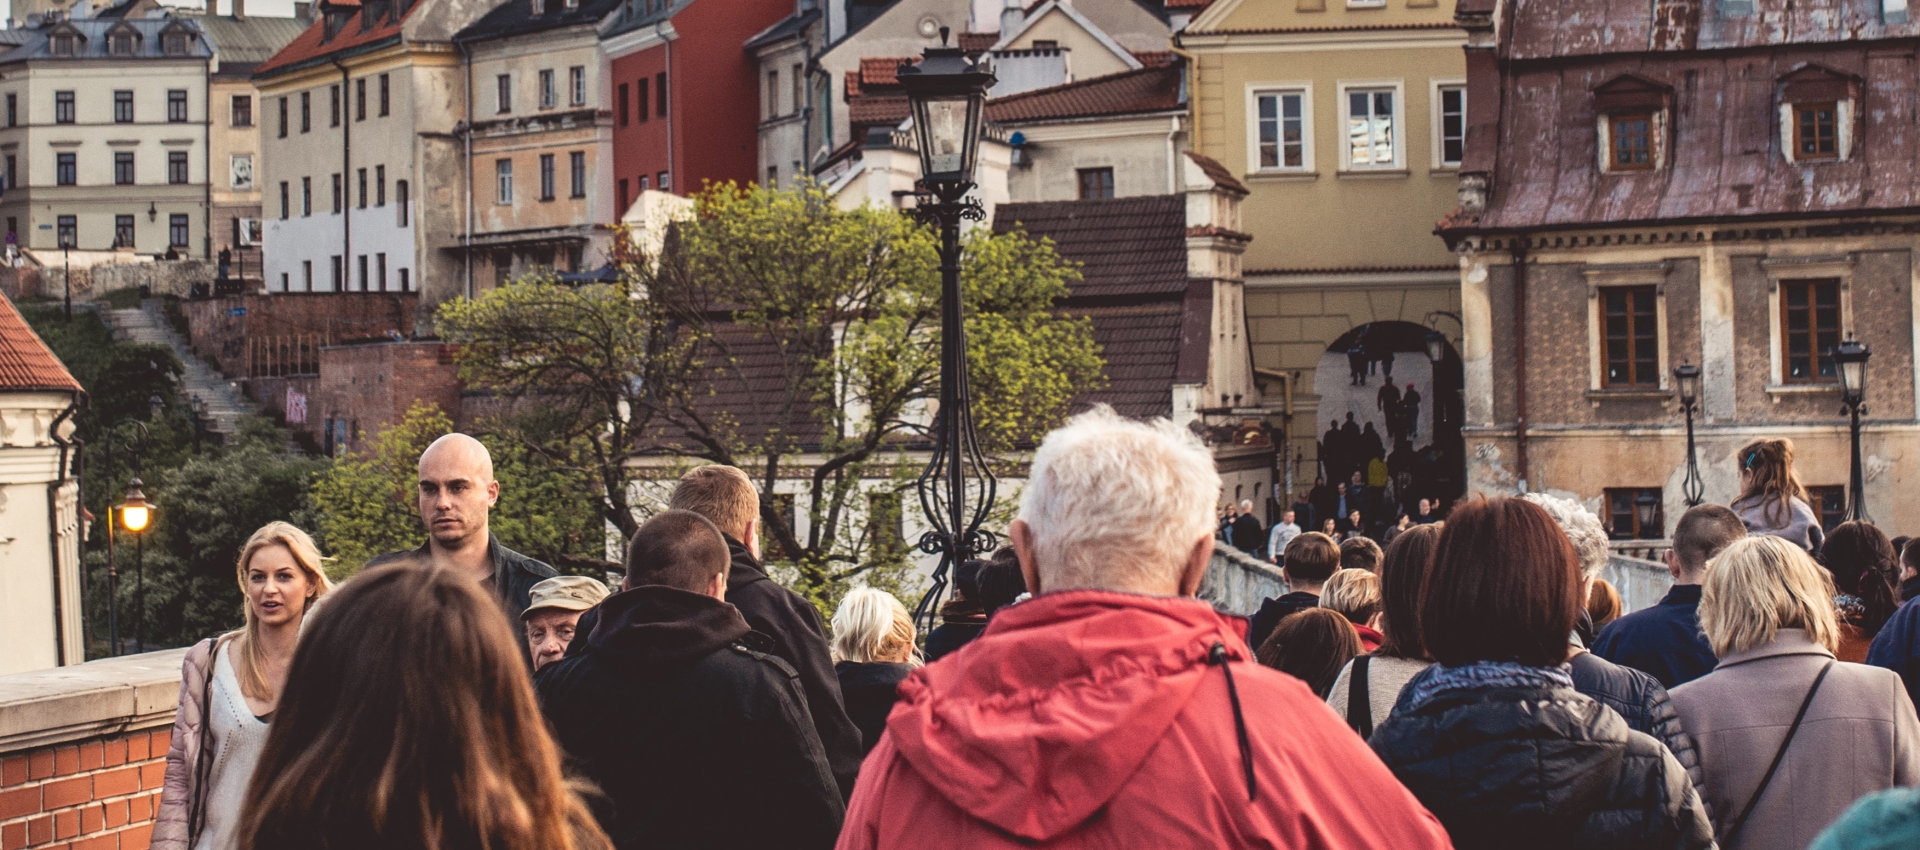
(880, 71)
(1128, 92)
(308, 49)
(1151, 58)
(978, 42)
(878, 109)
(25, 362)
(1218, 173)
(1195, 5)
(1127, 247)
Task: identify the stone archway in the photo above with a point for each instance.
(1380, 397)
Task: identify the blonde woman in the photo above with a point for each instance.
(229, 690)
(1787, 736)
(1355, 595)
(872, 652)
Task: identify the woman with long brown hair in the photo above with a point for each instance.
(1376, 679)
(1772, 500)
(230, 689)
(409, 723)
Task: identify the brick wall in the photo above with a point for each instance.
(226, 329)
(371, 386)
(97, 794)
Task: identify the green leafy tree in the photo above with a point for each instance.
(781, 334)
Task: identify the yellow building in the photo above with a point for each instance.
(1346, 120)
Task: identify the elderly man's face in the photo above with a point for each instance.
(549, 631)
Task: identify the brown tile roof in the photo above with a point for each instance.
(1154, 89)
(878, 109)
(307, 48)
(880, 71)
(1129, 248)
(978, 42)
(1549, 28)
(1141, 344)
(1195, 5)
(1349, 28)
(25, 362)
(1218, 173)
(1155, 57)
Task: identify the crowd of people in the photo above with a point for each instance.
(1451, 689)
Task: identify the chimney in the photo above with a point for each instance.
(213, 8)
(239, 9)
(1012, 15)
(303, 10)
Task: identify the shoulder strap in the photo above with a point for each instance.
(203, 767)
(1359, 704)
(1741, 821)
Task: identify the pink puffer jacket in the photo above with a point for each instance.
(172, 824)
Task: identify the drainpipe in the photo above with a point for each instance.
(1518, 249)
(1193, 85)
(53, 528)
(466, 227)
(673, 168)
(346, 179)
(1173, 157)
(206, 155)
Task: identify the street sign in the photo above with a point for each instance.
(236, 312)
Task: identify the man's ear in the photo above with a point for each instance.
(1673, 563)
(1195, 569)
(750, 537)
(493, 493)
(1022, 536)
(717, 586)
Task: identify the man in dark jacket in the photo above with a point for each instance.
(1311, 558)
(677, 717)
(456, 492)
(1665, 640)
(724, 495)
(1248, 535)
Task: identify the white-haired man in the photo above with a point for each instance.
(1113, 710)
(1636, 696)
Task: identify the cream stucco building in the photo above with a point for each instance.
(40, 621)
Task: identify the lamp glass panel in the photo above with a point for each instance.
(135, 517)
(945, 135)
(1853, 377)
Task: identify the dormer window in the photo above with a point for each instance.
(63, 45)
(121, 43)
(1816, 115)
(174, 42)
(1632, 114)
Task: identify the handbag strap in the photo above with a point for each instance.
(1741, 821)
(1359, 705)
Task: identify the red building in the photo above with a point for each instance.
(684, 93)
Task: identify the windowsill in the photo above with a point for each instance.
(1825, 160)
(1283, 176)
(1780, 390)
(1648, 394)
(1445, 169)
(1373, 174)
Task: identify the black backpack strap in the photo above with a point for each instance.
(1359, 704)
(1741, 821)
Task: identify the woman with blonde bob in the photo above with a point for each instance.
(1788, 737)
(873, 652)
(230, 688)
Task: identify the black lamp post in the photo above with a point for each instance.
(948, 94)
(135, 515)
(1645, 507)
(1851, 358)
(1686, 377)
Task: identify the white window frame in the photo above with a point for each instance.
(577, 85)
(1656, 140)
(549, 89)
(1609, 277)
(1253, 95)
(1399, 88)
(1438, 115)
(1843, 110)
(1803, 268)
(503, 182)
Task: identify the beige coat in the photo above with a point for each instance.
(1860, 735)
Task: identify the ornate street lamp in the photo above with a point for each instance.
(1644, 507)
(1686, 377)
(1851, 358)
(948, 94)
(135, 515)
(1436, 343)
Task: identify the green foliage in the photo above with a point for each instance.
(820, 329)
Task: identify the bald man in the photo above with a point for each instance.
(456, 492)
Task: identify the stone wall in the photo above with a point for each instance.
(83, 751)
(1237, 583)
(165, 277)
(371, 387)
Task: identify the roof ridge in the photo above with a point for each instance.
(1090, 81)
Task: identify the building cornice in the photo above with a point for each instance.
(1310, 39)
(628, 43)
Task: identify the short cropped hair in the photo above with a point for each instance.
(1114, 503)
(1759, 585)
(1311, 557)
(720, 493)
(1360, 553)
(1504, 586)
(676, 548)
(1583, 530)
(1701, 533)
(1354, 594)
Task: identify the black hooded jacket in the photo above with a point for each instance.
(800, 639)
(1508, 767)
(678, 720)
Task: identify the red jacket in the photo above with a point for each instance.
(1094, 719)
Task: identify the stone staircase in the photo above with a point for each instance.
(217, 401)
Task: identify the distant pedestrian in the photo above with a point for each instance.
(1355, 595)
(873, 653)
(1366, 690)
(408, 721)
(962, 618)
(1310, 561)
(1282, 532)
(1772, 500)
(1603, 604)
(1312, 646)
(1360, 553)
(1001, 582)
(230, 687)
(1410, 413)
(1789, 737)
(1330, 528)
(1897, 646)
(676, 710)
(1425, 514)
(553, 610)
(1113, 710)
(1664, 640)
(724, 495)
(1248, 533)
(1865, 571)
(457, 491)
(1494, 739)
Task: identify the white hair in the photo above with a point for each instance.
(871, 625)
(1588, 536)
(1115, 503)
